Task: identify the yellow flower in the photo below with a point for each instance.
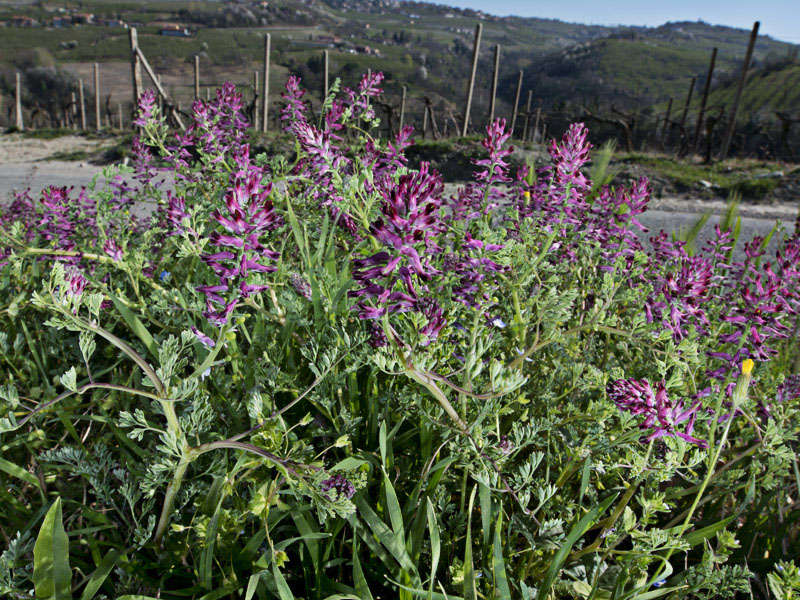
(747, 366)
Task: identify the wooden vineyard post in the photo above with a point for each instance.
(82, 101)
(527, 116)
(18, 106)
(748, 57)
(74, 112)
(688, 102)
(255, 101)
(536, 122)
(97, 123)
(704, 101)
(666, 123)
(495, 74)
(265, 98)
(119, 115)
(136, 72)
(516, 104)
(402, 108)
(197, 77)
(162, 95)
(475, 49)
(425, 122)
(326, 84)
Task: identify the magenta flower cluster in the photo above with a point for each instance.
(659, 412)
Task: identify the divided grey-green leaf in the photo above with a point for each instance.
(52, 577)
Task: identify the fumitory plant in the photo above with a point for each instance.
(327, 374)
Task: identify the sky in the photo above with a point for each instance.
(779, 19)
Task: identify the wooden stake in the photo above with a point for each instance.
(157, 82)
(475, 49)
(18, 106)
(495, 74)
(666, 122)
(255, 100)
(74, 112)
(402, 107)
(704, 101)
(83, 104)
(97, 122)
(527, 116)
(136, 71)
(119, 115)
(325, 76)
(197, 77)
(425, 123)
(265, 97)
(688, 102)
(748, 57)
(536, 123)
(516, 104)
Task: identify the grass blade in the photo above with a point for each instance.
(470, 591)
(100, 574)
(575, 534)
(433, 527)
(498, 564)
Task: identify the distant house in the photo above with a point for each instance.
(59, 22)
(112, 23)
(23, 21)
(83, 19)
(175, 30)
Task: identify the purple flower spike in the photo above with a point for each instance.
(75, 281)
(113, 249)
(203, 338)
(340, 485)
(147, 103)
(660, 413)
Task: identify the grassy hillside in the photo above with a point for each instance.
(423, 46)
(643, 66)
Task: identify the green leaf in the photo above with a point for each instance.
(52, 577)
(393, 506)
(433, 527)
(70, 380)
(700, 535)
(362, 588)
(575, 534)
(283, 588)
(498, 564)
(470, 591)
(136, 325)
(206, 567)
(99, 576)
(386, 537)
(22, 474)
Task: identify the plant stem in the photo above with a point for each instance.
(169, 500)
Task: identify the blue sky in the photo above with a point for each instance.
(779, 18)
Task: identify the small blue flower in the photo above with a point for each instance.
(659, 583)
(164, 275)
(498, 322)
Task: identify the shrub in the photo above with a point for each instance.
(327, 379)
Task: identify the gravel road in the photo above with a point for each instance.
(667, 214)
